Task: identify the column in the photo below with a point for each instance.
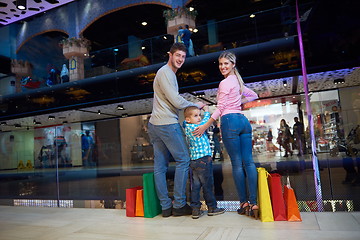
(76, 49)
(213, 36)
(134, 46)
(21, 69)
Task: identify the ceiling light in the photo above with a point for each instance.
(191, 9)
(120, 107)
(285, 83)
(17, 125)
(65, 122)
(116, 49)
(3, 123)
(37, 123)
(21, 4)
(339, 81)
(124, 115)
(142, 48)
(252, 15)
(99, 112)
(195, 30)
(165, 37)
(51, 117)
(144, 23)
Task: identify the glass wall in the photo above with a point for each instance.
(91, 164)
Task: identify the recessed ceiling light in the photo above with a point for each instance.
(120, 107)
(144, 23)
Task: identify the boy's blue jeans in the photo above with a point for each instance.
(202, 176)
(169, 140)
(236, 135)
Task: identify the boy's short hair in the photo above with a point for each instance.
(177, 46)
(188, 111)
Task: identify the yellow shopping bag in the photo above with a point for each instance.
(266, 213)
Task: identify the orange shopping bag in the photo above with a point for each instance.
(292, 209)
(139, 208)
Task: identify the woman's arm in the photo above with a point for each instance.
(248, 95)
(201, 129)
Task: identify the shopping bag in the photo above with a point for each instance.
(139, 206)
(152, 205)
(276, 195)
(266, 214)
(131, 201)
(292, 209)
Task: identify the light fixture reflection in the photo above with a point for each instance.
(120, 107)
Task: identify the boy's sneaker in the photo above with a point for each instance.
(196, 213)
(185, 210)
(215, 211)
(167, 212)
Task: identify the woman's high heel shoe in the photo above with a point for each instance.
(244, 209)
(254, 211)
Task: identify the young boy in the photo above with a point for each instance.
(200, 164)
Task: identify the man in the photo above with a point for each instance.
(299, 135)
(167, 136)
(186, 35)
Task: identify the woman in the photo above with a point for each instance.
(236, 132)
(286, 136)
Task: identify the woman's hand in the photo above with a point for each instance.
(199, 131)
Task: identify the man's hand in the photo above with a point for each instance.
(200, 104)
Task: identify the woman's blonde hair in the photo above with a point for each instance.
(232, 58)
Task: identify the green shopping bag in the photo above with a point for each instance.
(152, 205)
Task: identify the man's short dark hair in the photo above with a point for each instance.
(177, 46)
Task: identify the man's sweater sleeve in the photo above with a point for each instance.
(170, 89)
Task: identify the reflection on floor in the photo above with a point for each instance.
(24, 223)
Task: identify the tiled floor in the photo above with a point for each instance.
(20, 223)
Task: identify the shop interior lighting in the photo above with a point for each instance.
(252, 15)
(65, 122)
(17, 125)
(191, 9)
(51, 117)
(99, 112)
(21, 4)
(195, 30)
(120, 107)
(124, 115)
(142, 48)
(285, 83)
(37, 123)
(3, 123)
(165, 37)
(200, 94)
(144, 23)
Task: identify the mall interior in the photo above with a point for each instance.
(76, 95)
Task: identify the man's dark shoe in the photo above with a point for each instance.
(167, 212)
(196, 213)
(185, 210)
(215, 211)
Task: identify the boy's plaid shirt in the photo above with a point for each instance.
(199, 146)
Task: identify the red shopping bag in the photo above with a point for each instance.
(292, 209)
(277, 199)
(131, 201)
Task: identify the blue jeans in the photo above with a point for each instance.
(236, 135)
(169, 140)
(202, 175)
